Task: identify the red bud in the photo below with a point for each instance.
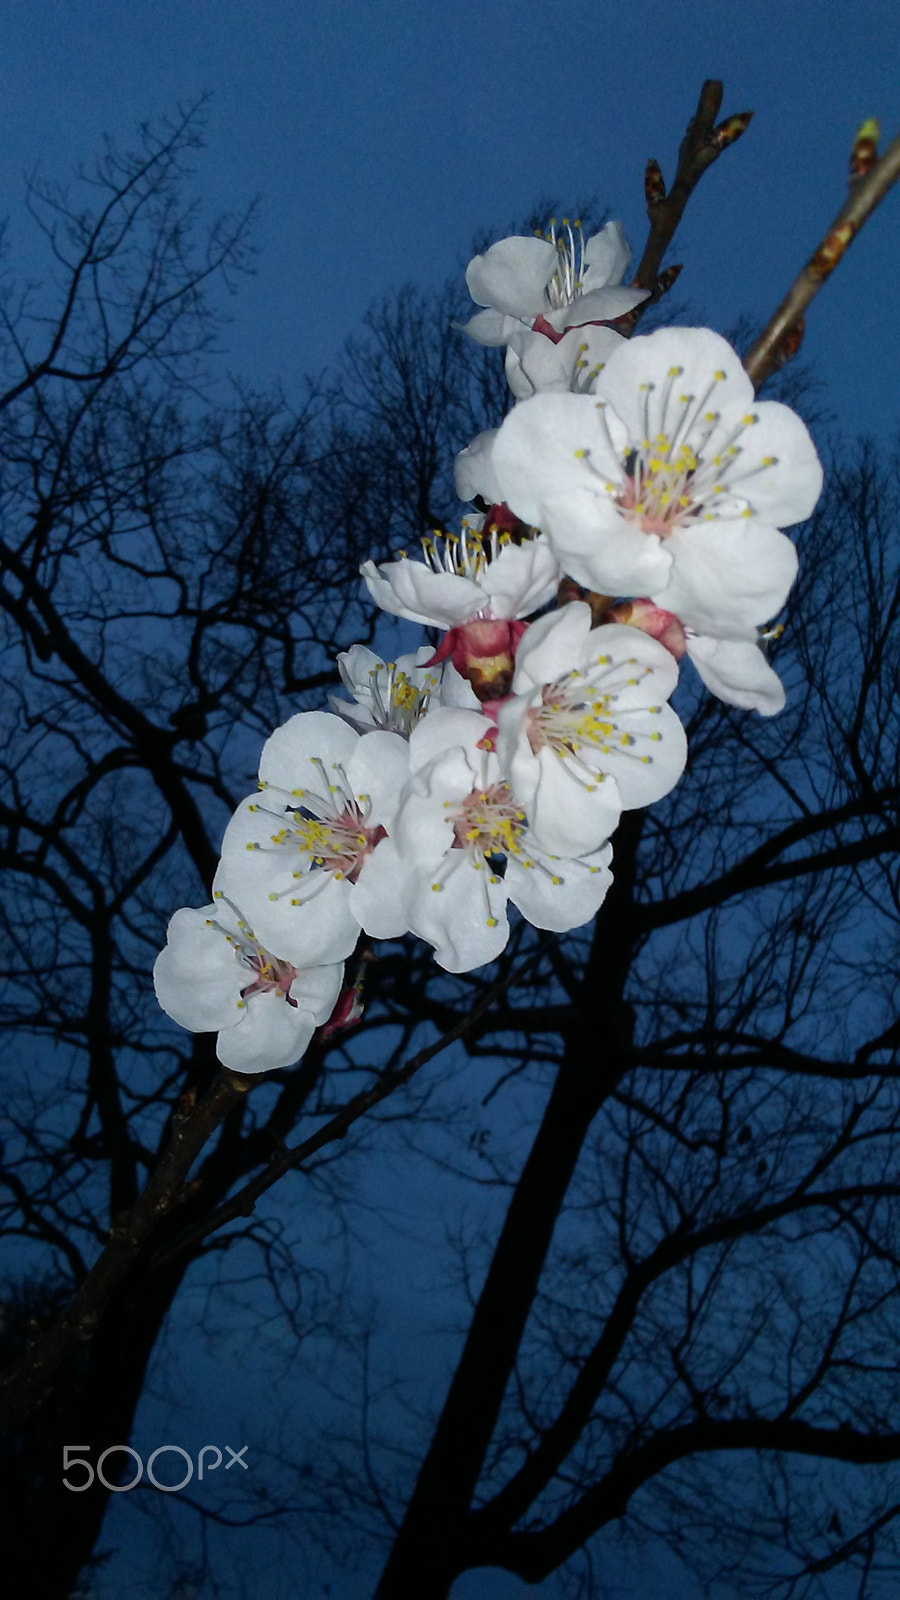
(731, 129)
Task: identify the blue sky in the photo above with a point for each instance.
(381, 137)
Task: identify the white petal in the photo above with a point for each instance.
(490, 328)
(650, 359)
(522, 579)
(727, 577)
(410, 589)
(316, 989)
(456, 917)
(785, 491)
(566, 816)
(553, 645)
(538, 454)
(288, 753)
(312, 931)
(439, 734)
(599, 305)
(607, 256)
(473, 470)
(604, 551)
(198, 976)
(377, 898)
(736, 671)
(567, 904)
(511, 276)
(650, 767)
(270, 1034)
(378, 769)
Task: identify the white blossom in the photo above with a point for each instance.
(303, 856)
(214, 976)
(557, 281)
(391, 695)
(465, 850)
(479, 574)
(669, 480)
(587, 732)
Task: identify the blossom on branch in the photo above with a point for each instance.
(480, 573)
(391, 695)
(550, 283)
(466, 849)
(476, 586)
(304, 856)
(587, 733)
(668, 480)
(214, 976)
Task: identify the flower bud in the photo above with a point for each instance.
(660, 624)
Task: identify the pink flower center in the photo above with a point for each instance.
(489, 822)
(272, 975)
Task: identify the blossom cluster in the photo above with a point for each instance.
(636, 480)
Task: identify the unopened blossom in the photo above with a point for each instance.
(214, 976)
(670, 480)
(587, 732)
(304, 855)
(550, 283)
(465, 850)
(734, 670)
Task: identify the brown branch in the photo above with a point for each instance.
(24, 1385)
(768, 353)
(703, 143)
(286, 1159)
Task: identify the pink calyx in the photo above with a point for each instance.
(484, 653)
(660, 624)
(346, 1013)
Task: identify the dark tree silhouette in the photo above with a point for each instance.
(697, 1263)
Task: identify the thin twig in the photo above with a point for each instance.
(703, 143)
(767, 354)
(289, 1157)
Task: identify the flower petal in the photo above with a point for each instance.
(727, 576)
(512, 275)
(560, 894)
(736, 671)
(410, 589)
(198, 976)
(464, 918)
(270, 1034)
